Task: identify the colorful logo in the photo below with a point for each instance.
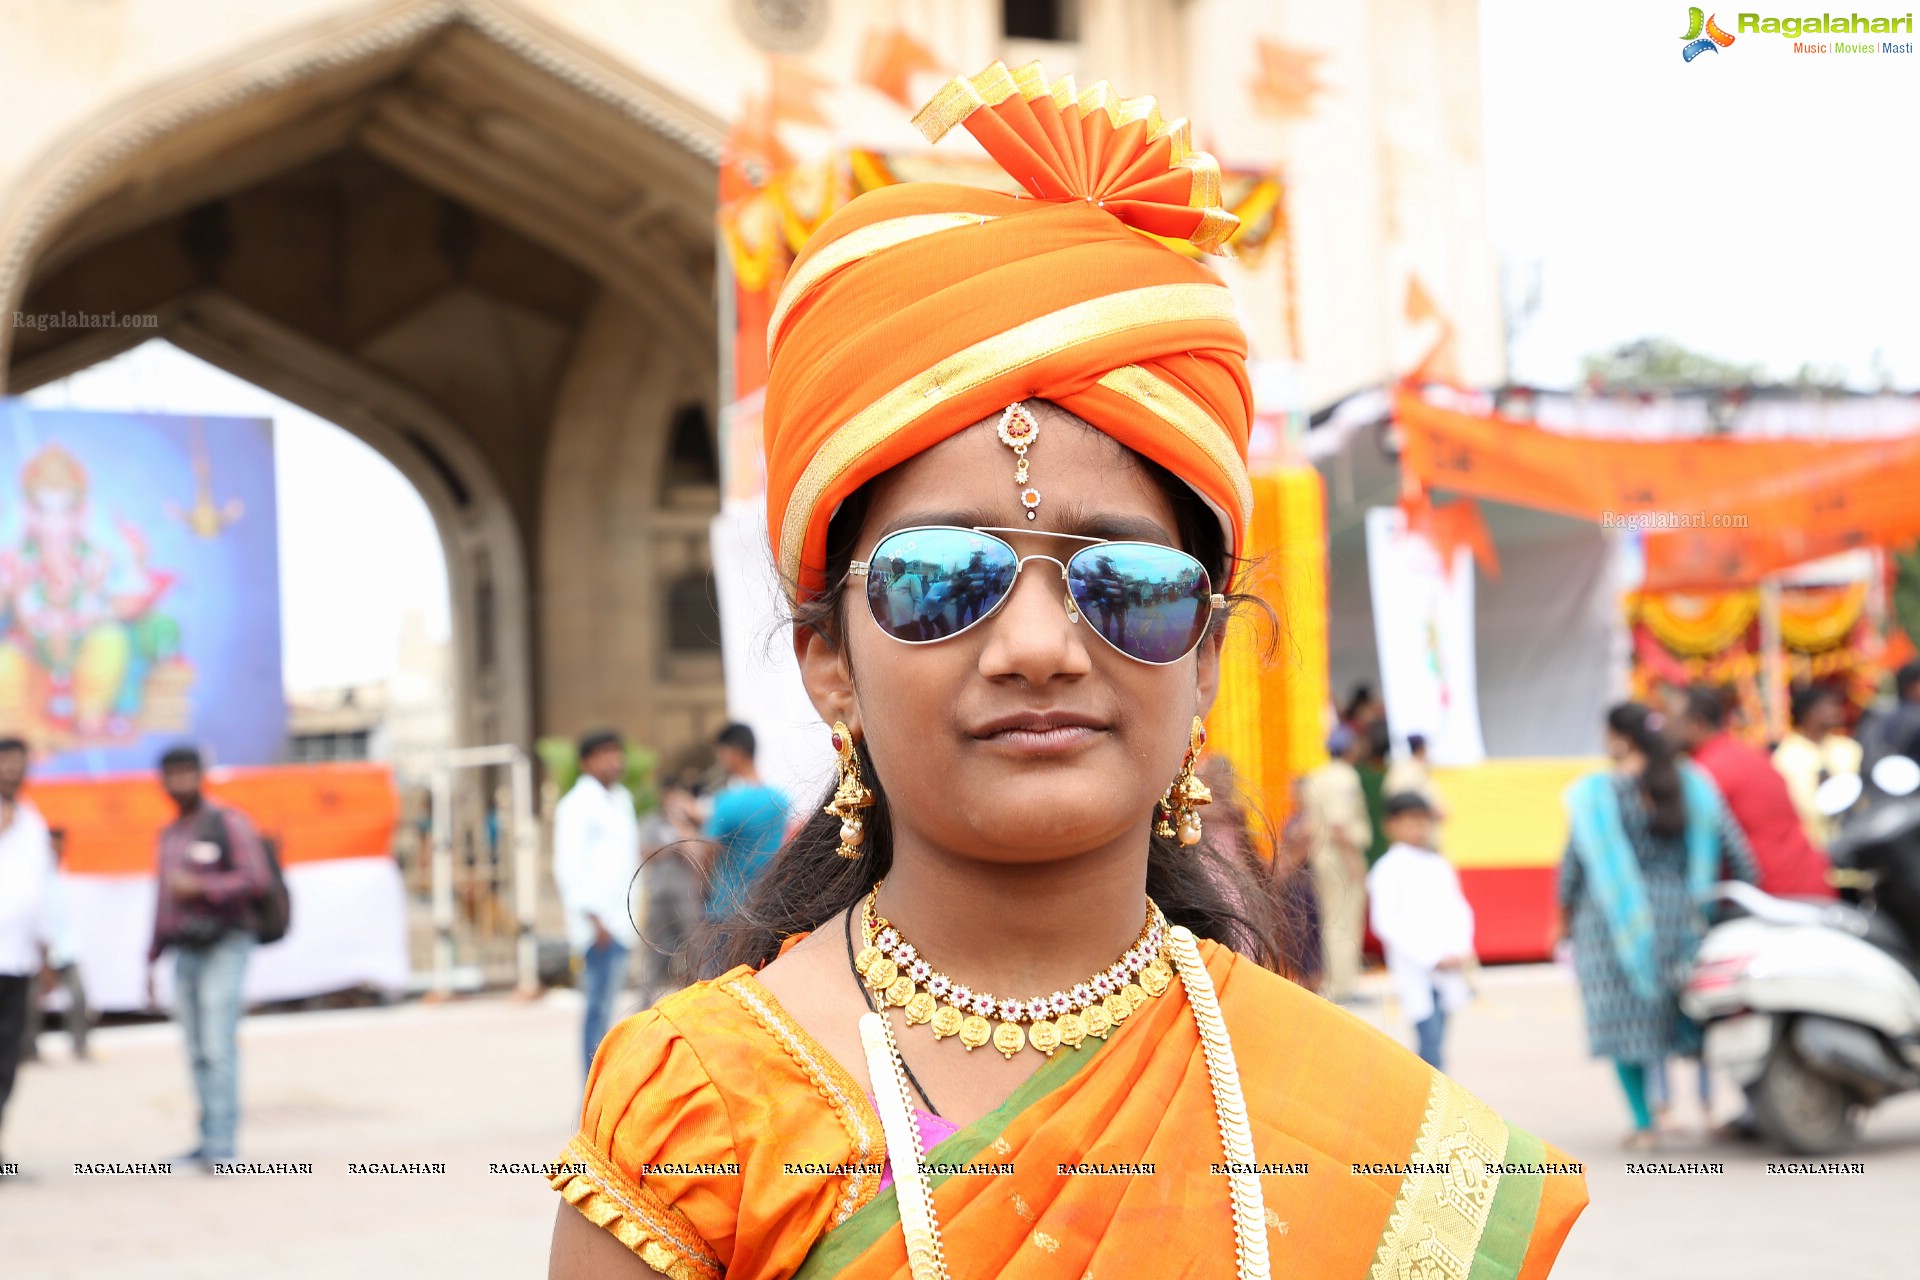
(1714, 39)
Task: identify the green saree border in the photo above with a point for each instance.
(870, 1222)
(1516, 1206)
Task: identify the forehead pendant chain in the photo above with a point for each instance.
(1018, 429)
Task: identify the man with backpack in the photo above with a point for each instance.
(217, 884)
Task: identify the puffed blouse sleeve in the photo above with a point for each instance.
(655, 1161)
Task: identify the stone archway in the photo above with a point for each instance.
(475, 243)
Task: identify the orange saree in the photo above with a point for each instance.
(718, 1139)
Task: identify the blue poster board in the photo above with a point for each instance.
(139, 588)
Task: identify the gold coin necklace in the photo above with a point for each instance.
(892, 967)
(919, 1218)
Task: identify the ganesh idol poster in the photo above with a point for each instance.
(139, 588)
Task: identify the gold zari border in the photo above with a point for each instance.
(833, 1082)
(1172, 406)
(638, 1219)
(990, 358)
(854, 246)
(1437, 1220)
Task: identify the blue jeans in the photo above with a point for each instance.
(605, 965)
(1430, 1030)
(207, 985)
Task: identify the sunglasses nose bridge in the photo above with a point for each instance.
(1073, 608)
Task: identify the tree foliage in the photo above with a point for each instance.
(1661, 364)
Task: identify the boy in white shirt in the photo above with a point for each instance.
(1422, 920)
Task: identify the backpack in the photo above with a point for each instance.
(268, 916)
(272, 912)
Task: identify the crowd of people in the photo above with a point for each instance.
(629, 886)
(1690, 799)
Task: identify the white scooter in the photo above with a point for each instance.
(1814, 1008)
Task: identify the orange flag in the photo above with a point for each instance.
(1420, 305)
(890, 61)
(1458, 524)
(1287, 80)
(795, 86)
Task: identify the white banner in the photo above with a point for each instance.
(1423, 628)
(349, 929)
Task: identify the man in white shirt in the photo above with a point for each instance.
(63, 963)
(26, 880)
(1422, 920)
(596, 858)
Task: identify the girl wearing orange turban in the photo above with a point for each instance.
(1001, 1009)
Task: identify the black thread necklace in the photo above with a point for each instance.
(868, 997)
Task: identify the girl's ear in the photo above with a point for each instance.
(826, 675)
(1206, 672)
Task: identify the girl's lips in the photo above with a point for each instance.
(1044, 738)
(1037, 722)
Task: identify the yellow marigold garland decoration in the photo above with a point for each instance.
(1697, 623)
(1816, 618)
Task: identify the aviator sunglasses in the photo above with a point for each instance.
(926, 584)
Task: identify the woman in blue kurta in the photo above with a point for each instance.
(1647, 838)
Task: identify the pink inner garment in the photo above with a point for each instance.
(933, 1132)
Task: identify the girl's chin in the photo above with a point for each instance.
(1018, 833)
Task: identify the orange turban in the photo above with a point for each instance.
(922, 308)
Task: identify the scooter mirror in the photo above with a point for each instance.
(1840, 793)
(1895, 775)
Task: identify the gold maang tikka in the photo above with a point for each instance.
(1018, 429)
(850, 796)
(1180, 806)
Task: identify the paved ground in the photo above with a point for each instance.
(495, 1080)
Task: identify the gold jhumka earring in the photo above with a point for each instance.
(1018, 429)
(1180, 806)
(850, 797)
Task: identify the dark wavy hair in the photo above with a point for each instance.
(1660, 780)
(1221, 889)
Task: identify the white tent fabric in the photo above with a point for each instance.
(1424, 633)
(1550, 645)
(349, 929)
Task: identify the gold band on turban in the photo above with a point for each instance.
(922, 308)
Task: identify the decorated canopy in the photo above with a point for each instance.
(1772, 484)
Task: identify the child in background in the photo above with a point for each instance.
(1422, 920)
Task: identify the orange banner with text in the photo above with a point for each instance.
(317, 812)
(1716, 511)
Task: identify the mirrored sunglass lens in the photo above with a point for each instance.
(928, 584)
(1152, 602)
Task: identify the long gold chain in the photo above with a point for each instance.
(1229, 1107)
(894, 968)
(919, 1225)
